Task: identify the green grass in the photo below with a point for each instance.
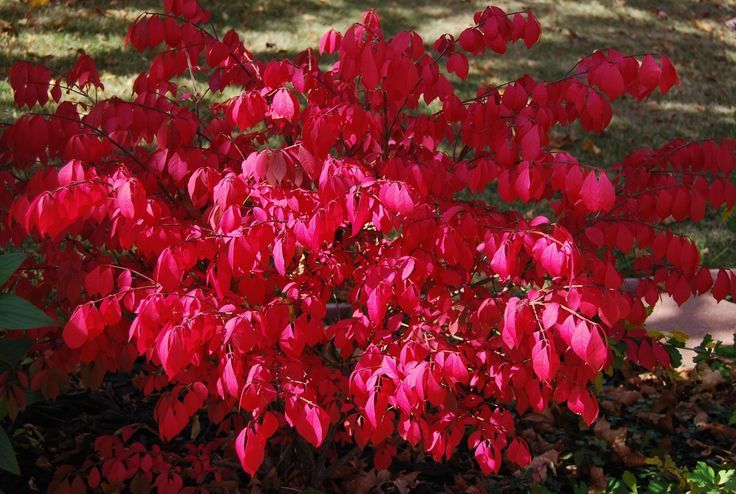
(692, 33)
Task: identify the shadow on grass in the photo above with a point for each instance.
(687, 31)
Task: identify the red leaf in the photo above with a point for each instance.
(278, 257)
(606, 192)
(531, 148)
(376, 306)
(488, 458)
(248, 110)
(455, 370)
(216, 53)
(471, 40)
(597, 195)
(703, 280)
(269, 425)
(580, 340)
(383, 456)
(131, 199)
(545, 360)
(229, 379)
(330, 42)
(532, 31)
(84, 325)
(167, 271)
(93, 478)
(368, 69)
(582, 403)
(457, 63)
(611, 81)
(283, 106)
(722, 285)
(276, 168)
(523, 183)
(314, 425)
(396, 198)
(250, 448)
(509, 332)
(596, 351)
(649, 73)
(370, 410)
(669, 76)
(518, 452)
(309, 163)
(99, 281)
(645, 355)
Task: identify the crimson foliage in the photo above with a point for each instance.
(210, 237)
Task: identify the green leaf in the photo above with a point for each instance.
(17, 313)
(615, 486)
(13, 351)
(725, 476)
(580, 488)
(8, 264)
(630, 481)
(540, 489)
(660, 485)
(8, 461)
(703, 475)
(675, 356)
(34, 397)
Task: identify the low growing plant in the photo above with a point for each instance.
(16, 313)
(302, 256)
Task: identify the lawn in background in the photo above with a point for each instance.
(694, 34)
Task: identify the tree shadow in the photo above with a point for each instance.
(571, 30)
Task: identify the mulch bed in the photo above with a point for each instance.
(648, 423)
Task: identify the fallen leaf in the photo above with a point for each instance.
(598, 479)
(589, 147)
(542, 463)
(661, 420)
(543, 421)
(624, 396)
(616, 438)
(702, 25)
(701, 420)
(710, 379)
(6, 27)
(405, 482)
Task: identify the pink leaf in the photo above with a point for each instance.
(167, 271)
(330, 42)
(596, 352)
(315, 425)
(84, 325)
(580, 339)
(283, 106)
(229, 379)
(250, 448)
(278, 257)
(509, 331)
(545, 361)
(582, 403)
(131, 199)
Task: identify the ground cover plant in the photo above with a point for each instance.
(294, 258)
